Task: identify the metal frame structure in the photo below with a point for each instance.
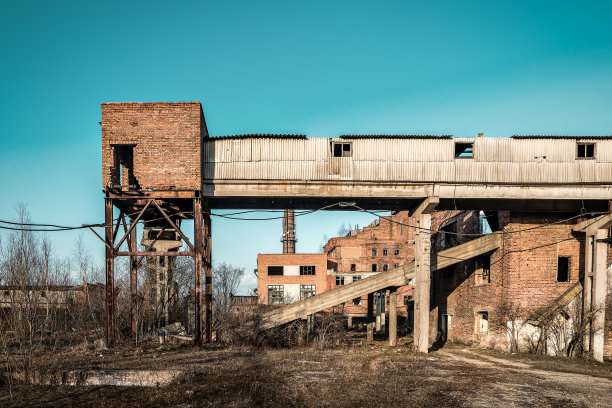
(170, 208)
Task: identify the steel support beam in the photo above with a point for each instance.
(198, 250)
(207, 236)
(110, 279)
(133, 285)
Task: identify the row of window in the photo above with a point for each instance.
(276, 293)
(385, 252)
(466, 150)
(280, 270)
(340, 280)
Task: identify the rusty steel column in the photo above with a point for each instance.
(288, 232)
(207, 233)
(133, 284)
(110, 279)
(198, 256)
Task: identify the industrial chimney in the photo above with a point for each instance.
(288, 238)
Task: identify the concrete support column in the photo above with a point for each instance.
(598, 294)
(423, 282)
(350, 322)
(370, 307)
(587, 286)
(393, 317)
(383, 315)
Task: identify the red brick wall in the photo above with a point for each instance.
(320, 279)
(168, 139)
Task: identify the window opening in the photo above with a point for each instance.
(563, 264)
(275, 294)
(356, 301)
(356, 278)
(123, 171)
(307, 269)
(275, 270)
(374, 252)
(307, 291)
(482, 322)
(385, 252)
(339, 280)
(396, 252)
(464, 150)
(374, 267)
(586, 151)
(385, 267)
(342, 149)
(353, 267)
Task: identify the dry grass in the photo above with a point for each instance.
(344, 377)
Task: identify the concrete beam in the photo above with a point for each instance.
(591, 225)
(427, 206)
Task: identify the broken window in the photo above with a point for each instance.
(307, 269)
(374, 267)
(374, 252)
(306, 291)
(122, 173)
(482, 322)
(396, 252)
(585, 150)
(483, 270)
(563, 264)
(385, 267)
(275, 270)
(396, 265)
(356, 278)
(356, 301)
(275, 294)
(341, 149)
(339, 280)
(353, 267)
(464, 150)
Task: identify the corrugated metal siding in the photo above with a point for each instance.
(495, 161)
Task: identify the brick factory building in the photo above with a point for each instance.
(522, 292)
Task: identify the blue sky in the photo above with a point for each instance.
(320, 68)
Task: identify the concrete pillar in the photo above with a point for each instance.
(598, 294)
(370, 331)
(393, 317)
(370, 307)
(383, 316)
(423, 283)
(587, 287)
(378, 298)
(350, 322)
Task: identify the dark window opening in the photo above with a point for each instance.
(275, 270)
(123, 166)
(356, 301)
(485, 264)
(353, 267)
(464, 150)
(385, 267)
(342, 149)
(385, 252)
(586, 151)
(374, 267)
(307, 269)
(448, 238)
(374, 252)
(356, 278)
(396, 252)
(563, 264)
(339, 280)
(307, 291)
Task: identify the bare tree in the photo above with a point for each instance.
(226, 278)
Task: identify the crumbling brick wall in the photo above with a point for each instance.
(166, 139)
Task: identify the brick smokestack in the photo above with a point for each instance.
(288, 238)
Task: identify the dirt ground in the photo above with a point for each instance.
(355, 376)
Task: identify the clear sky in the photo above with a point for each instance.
(319, 67)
